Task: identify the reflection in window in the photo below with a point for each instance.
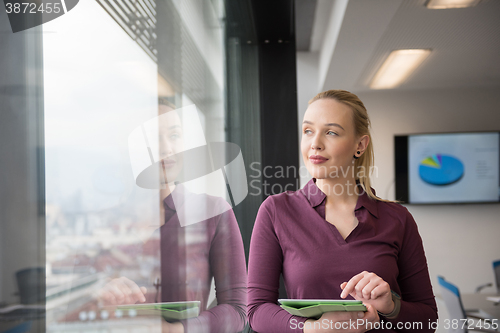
(100, 85)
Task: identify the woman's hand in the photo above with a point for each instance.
(167, 327)
(122, 291)
(345, 322)
(371, 289)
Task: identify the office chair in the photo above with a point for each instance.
(496, 270)
(31, 284)
(453, 302)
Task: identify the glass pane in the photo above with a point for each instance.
(137, 192)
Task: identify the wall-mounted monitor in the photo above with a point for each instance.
(448, 168)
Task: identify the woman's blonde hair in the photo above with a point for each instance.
(363, 165)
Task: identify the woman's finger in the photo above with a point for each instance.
(370, 316)
(349, 287)
(368, 288)
(133, 291)
(380, 290)
(115, 294)
(360, 287)
(127, 294)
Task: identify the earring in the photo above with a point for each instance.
(356, 156)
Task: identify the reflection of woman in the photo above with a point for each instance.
(191, 255)
(335, 238)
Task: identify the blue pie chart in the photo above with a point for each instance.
(441, 169)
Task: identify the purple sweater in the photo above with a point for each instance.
(192, 255)
(292, 237)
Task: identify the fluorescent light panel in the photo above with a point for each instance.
(443, 4)
(398, 67)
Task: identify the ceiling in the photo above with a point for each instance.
(465, 42)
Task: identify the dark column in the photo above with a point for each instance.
(243, 106)
(262, 100)
(278, 95)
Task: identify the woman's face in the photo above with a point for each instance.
(171, 143)
(328, 139)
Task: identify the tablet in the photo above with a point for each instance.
(314, 308)
(168, 310)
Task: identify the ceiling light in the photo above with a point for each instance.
(443, 4)
(397, 67)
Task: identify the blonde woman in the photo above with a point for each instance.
(336, 239)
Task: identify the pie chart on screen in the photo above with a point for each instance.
(441, 169)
